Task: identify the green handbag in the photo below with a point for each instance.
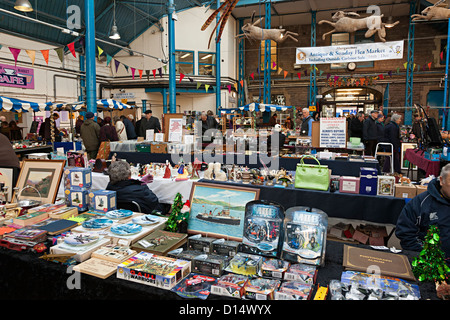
(312, 176)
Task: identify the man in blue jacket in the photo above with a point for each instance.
(431, 207)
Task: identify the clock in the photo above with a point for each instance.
(351, 66)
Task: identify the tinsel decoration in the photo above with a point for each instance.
(430, 265)
(177, 221)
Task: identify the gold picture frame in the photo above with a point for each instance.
(42, 177)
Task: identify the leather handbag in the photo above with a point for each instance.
(312, 176)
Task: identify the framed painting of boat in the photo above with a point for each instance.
(218, 210)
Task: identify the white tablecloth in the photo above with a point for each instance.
(164, 189)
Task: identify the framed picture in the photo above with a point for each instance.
(405, 163)
(218, 210)
(42, 177)
(8, 179)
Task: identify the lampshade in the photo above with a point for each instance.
(390, 22)
(23, 5)
(114, 33)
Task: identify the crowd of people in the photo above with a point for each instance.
(10, 129)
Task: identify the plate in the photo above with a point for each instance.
(80, 239)
(146, 220)
(126, 229)
(97, 224)
(119, 214)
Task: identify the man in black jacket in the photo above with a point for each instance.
(130, 189)
(370, 133)
(208, 122)
(392, 135)
(356, 126)
(149, 122)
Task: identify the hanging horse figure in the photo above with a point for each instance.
(437, 11)
(278, 35)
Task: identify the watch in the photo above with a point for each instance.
(351, 66)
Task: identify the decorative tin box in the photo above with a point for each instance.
(368, 181)
(349, 184)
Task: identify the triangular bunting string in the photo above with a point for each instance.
(32, 55)
(15, 52)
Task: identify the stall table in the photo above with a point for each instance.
(23, 276)
(416, 157)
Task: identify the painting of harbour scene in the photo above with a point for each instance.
(217, 210)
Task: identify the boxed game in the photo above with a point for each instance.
(273, 268)
(153, 270)
(182, 254)
(102, 200)
(78, 198)
(305, 235)
(261, 289)
(230, 285)
(263, 225)
(368, 178)
(225, 247)
(195, 286)
(209, 264)
(245, 264)
(385, 185)
(349, 184)
(300, 272)
(200, 243)
(78, 178)
(293, 290)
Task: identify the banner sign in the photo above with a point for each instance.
(17, 77)
(350, 53)
(333, 132)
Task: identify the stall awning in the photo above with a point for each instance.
(17, 105)
(101, 104)
(257, 107)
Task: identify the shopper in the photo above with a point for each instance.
(8, 157)
(276, 140)
(356, 125)
(370, 133)
(90, 131)
(120, 128)
(306, 127)
(78, 124)
(108, 131)
(380, 128)
(431, 207)
(45, 131)
(392, 135)
(129, 127)
(149, 122)
(16, 133)
(209, 124)
(273, 120)
(418, 128)
(129, 189)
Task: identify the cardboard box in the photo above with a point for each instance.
(102, 200)
(360, 237)
(77, 198)
(405, 191)
(420, 188)
(342, 231)
(158, 148)
(78, 178)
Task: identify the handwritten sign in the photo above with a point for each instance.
(333, 132)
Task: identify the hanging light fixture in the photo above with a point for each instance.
(114, 32)
(23, 5)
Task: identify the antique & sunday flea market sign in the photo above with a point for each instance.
(350, 53)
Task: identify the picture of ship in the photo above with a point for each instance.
(222, 216)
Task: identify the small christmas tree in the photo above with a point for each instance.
(430, 265)
(177, 220)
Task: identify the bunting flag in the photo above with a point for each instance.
(117, 63)
(60, 53)
(71, 47)
(126, 67)
(279, 70)
(229, 88)
(198, 85)
(242, 83)
(442, 55)
(274, 65)
(299, 75)
(398, 70)
(414, 66)
(100, 51)
(182, 76)
(140, 74)
(32, 55)
(253, 76)
(390, 73)
(381, 77)
(190, 79)
(328, 76)
(235, 86)
(285, 74)
(165, 68)
(320, 73)
(15, 52)
(147, 73)
(154, 73)
(206, 87)
(132, 72)
(429, 65)
(305, 72)
(405, 64)
(108, 59)
(45, 55)
(336, 78)
(160, 72)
